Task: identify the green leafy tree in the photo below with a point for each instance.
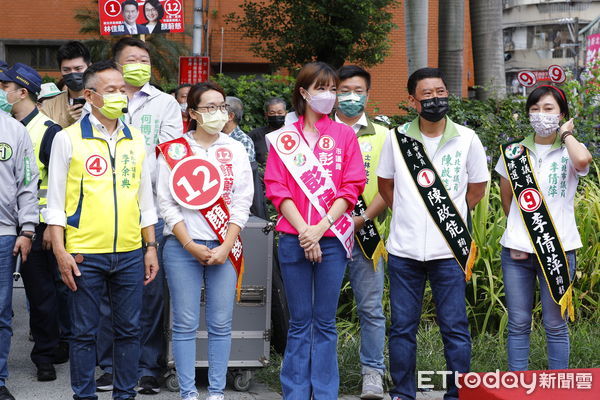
(164, 52)
(290, 33)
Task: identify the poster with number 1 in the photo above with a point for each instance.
(140, 17)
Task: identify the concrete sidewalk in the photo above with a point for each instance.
(23, 384)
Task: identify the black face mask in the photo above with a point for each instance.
(434, 109)
(276, 121)
(74, 81)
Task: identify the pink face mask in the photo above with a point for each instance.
(322, 103)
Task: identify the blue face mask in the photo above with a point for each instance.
(351, 104)
(4, 104)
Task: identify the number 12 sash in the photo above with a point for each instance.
(438, 202)
(539, 225)
(196, 183)
(312, 178)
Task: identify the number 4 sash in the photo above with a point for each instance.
(312, 178)
(196, 183)
(539, 225)
(438, 202)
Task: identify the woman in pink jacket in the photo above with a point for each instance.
(314, 176)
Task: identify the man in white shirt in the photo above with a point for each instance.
(158, 116)
(98, 166)
(418, 250)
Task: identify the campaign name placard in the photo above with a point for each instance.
(140, 17)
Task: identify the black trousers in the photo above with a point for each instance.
(39, 276)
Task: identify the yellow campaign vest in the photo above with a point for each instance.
(371, 139)
(37, 128)
(103, 214)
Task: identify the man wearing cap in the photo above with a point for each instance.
(49, 91)
(22, 84)
(18, 215)
(100, 205)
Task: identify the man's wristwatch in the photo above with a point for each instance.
(151, 244)
(365, 217)
(28, 234)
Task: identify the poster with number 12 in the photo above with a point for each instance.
(140, 17)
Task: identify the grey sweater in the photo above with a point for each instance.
(18, 178)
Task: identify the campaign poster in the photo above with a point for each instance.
(193, 69)
(592, 51)
(140, 17)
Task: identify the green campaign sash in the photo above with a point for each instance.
(368, 237)
(438, 202)
(539, 225)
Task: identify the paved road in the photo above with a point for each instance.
(23, 384)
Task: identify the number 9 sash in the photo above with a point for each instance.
(312, 178)
(539, 225)
(195, 183)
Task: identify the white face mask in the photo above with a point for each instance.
(183, 107)
(321, 103)
(544, 124)
(213, 123)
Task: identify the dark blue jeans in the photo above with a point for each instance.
(407, 284)
(152, 341)
(7, 266)
(312, 289)
(123, 275)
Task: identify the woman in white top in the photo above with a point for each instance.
(193, 257)
(557, 160)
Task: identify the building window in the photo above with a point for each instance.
(37, 56)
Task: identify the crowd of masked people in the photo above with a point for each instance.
(100, 217)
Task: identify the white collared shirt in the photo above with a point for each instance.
(413, 232)
(238, 198)
(557, 179)
(132, 28)
(362, 121)
(60, 159)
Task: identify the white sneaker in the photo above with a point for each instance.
(372, 386)
(192, 397)
(216, 396)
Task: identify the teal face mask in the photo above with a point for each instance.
(351, 104)
(4, 104)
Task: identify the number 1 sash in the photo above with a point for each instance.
(539, 225)
(312, 178)
(177, 153)
(438, 202)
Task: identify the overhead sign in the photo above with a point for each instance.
(137, 17)
(555, 74)
(194, 69)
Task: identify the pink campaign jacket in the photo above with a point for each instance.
(349, 177)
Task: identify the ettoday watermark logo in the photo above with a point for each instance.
(529, 381)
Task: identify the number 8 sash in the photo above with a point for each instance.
(539, 225)
(207, 199)
(312, 178)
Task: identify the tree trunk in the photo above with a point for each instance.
(488, 48)
(451, 43)
(416, 24)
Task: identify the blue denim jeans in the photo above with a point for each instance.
(7, 266)
(367, 285)
(519, 289)
(310, 362)
(407, 284)
(186, 277)
(151, 320)
(123, 275)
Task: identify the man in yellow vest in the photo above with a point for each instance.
(22, 84)
(100, 206)
(366, 269)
